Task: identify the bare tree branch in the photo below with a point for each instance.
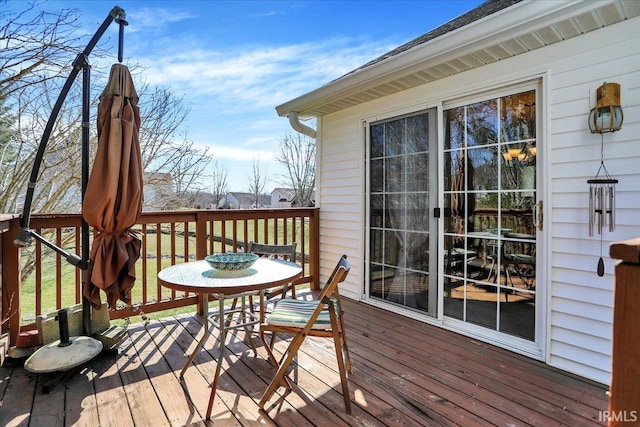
(35, 45)
(36, 53)
(257, 182)
(220, 184)
(298, 155)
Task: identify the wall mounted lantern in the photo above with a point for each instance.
(605, 117)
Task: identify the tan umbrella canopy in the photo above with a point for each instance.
(113, 198)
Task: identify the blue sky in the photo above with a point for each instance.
(234, 61)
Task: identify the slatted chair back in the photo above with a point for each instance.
(284, 252)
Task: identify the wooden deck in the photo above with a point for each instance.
(405, 373)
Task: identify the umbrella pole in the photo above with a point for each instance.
(86, 115)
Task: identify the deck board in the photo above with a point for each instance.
(17, 400)
(475, 376)
(81, 404)
(48, 409)
(113, 408)
(404, 373)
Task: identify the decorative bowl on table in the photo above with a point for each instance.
(231, 260)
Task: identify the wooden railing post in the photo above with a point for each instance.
(10, 276)
(201, 251)
(624, 399)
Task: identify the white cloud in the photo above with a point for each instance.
(155, 20)
(267, 14)
(232, 90)
(241, 153)
(257, 77)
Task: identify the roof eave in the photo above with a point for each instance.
(502, 25)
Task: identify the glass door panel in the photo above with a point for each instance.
(489, 254)
(399, 222)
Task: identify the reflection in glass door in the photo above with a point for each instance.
(400, 235)
(489, 163)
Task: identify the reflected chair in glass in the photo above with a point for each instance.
(322, 317)
(490, 270)
(520, 258)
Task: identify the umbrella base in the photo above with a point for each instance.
(53, 358)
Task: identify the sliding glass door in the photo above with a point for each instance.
(491, 221)
(488, 207)
(401, 232)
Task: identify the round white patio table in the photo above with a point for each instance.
(199, 277)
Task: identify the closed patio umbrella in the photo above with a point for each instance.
(113, 198)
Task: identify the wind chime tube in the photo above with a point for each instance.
(612, 207)
(601, 209)
(591, 212)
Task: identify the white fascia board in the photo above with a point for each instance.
(509, 23)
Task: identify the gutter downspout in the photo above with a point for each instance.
(294, 121)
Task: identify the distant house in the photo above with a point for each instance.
(286, 198)
(453, 172)
(203, 200)
(282, 197)
(235, 200)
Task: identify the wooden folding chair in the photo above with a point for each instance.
(285, 252)
(322, 317)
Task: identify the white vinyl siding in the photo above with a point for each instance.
(339, 197)
(581, 303)
(577, 303)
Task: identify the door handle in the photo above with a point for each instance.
(538, 218)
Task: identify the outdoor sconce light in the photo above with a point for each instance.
(607, 115)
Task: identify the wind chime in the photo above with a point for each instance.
(605, 117)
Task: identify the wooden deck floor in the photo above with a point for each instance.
(405, 373)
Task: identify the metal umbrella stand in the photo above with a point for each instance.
(67, 353)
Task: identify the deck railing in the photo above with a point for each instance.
(36, 280)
